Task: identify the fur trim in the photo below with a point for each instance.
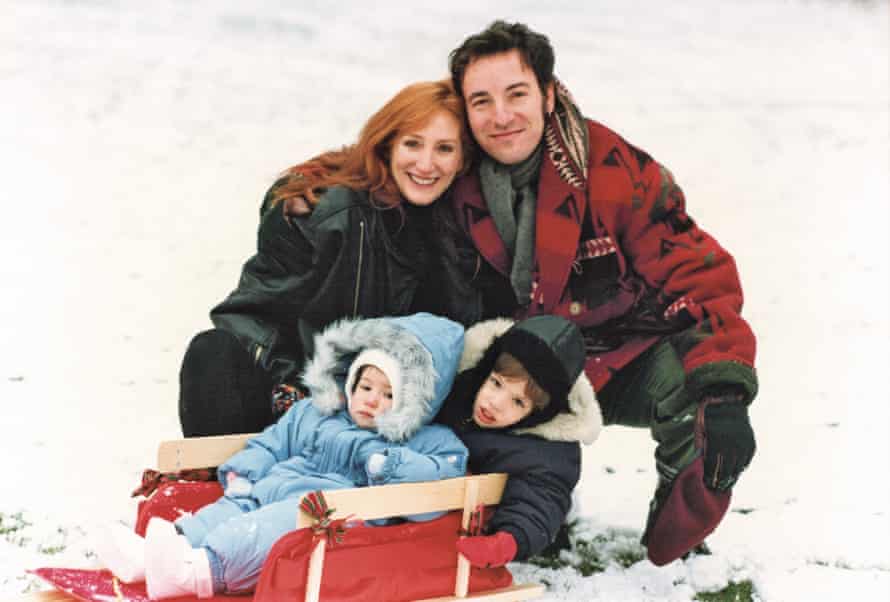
(585, 421)
(335, 349)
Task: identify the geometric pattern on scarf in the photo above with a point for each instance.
(566, 138)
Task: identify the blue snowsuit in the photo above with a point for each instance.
(316, 444)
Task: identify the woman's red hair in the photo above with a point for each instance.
(365, 164)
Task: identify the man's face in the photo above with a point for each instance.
(505, 106)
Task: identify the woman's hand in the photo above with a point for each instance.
(296, 206)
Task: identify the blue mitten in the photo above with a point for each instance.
(237, 486)
(374, 466)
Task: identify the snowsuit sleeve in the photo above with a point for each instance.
(264, 312)
(434, 453)
(538, 494)
(695, 279)
(275, 444)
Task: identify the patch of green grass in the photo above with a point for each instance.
(592, 554)
(51, 550)
(57, 547)
(628, 557)
(734, 592)
(11, 527)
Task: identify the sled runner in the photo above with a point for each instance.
(327, 558)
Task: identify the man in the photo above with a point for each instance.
(562, 216)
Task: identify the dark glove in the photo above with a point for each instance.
(728, 440)
(488, 550)
(284, 396)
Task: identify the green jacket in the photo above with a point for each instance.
(346, 259)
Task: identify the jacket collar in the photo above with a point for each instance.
(562, 193)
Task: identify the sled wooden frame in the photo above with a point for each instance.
(365, 503)
(368, 504)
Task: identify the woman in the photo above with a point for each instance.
(363, 251)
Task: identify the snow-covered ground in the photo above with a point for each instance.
(136, 140)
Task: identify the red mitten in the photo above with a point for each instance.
(487, 551)
(690, 512)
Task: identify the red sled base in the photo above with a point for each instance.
(409, 561)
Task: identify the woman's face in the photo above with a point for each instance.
(424, 161)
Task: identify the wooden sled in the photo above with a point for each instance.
(365, 503)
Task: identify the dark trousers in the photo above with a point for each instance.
(651, 393)
(221, 390)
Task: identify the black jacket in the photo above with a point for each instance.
(347, 259)
(543, 460)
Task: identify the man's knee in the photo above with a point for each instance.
(650, 389)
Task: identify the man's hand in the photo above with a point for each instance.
(283, 397)
(729, 440)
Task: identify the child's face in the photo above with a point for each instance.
(371, 398)
(501, 402)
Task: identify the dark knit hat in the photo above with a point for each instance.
(551, 349)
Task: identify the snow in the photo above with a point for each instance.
(137, 139)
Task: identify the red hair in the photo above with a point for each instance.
(365, 164)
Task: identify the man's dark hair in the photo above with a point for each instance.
(534, 49)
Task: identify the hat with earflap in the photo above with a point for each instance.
(551, 349)
(383, 362)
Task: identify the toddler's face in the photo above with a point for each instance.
(371, 398)
(501, 402)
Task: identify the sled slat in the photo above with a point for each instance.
(52, 595)
(370, 503)
(506, 594)
(316, 565)
(199, 452)
(471, 498)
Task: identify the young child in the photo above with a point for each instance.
(522, 405)
(396, 383)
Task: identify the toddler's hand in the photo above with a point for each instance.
(237, 486)
(488, 550)
(375, 464)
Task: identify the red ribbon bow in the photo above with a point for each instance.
(315, 505)
(152, 479)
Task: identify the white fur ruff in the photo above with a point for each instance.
(585, 420)
(336, 346)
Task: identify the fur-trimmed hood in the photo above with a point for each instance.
(426, 348)
(582, 422)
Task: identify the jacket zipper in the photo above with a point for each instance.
(257, 353)
(358, 277)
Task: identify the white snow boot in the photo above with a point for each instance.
(173, 567)
(122, 552)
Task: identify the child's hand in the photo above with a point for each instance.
(237, 486)
(488, 550)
